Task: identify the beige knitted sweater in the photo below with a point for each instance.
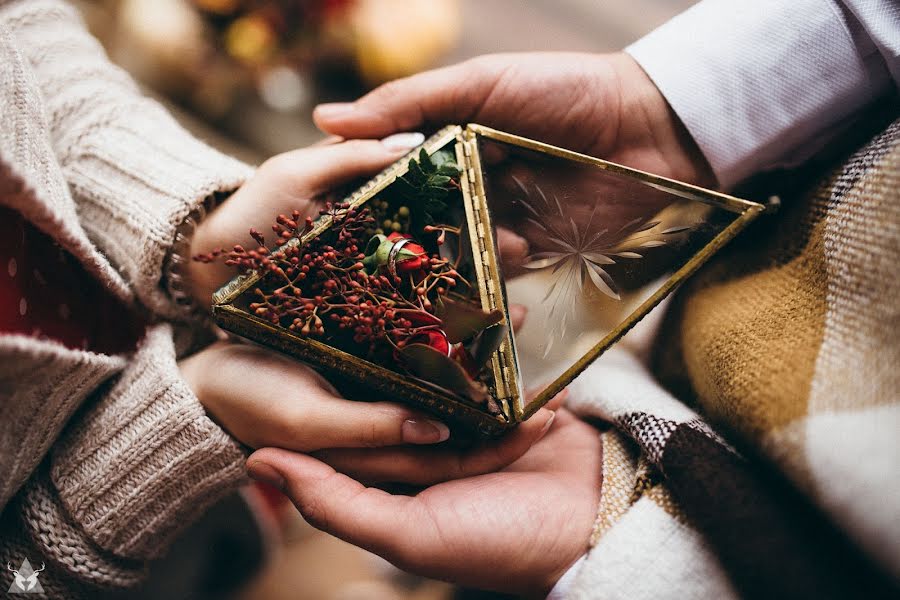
(103, 459)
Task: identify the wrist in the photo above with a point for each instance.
(179, 271)
(651, 128)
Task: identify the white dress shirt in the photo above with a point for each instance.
(762, 84)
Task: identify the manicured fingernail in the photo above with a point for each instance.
(424, 431)
(263, 472)
(403, 141)
(333, 110)
(549, 422)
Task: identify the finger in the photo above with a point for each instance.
(333, 422)
(332, 502)
(286, 404)
(450, 94)
(512, 247)
(328, 140)
(517, 314)
(427, 466)
(317, 169)
(555, 403)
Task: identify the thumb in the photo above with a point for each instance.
(449, 95)
(332, 502)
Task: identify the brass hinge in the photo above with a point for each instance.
(487, 266)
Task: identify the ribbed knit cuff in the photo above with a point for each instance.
(42, 384)
(76, 565)
(134, 172)
(145, 461)
(134, 189)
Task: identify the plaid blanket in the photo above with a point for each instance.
(757, 455)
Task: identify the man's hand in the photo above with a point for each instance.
(603, 105)
(517, 530)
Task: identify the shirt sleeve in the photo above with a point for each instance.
(762, 84)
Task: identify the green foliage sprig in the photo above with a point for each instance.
(428, 182)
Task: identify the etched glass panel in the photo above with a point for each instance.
(581, 249)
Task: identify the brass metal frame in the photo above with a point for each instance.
(747, 210)
(504, 363)
(392, 385)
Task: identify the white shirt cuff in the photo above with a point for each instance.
(761, 83)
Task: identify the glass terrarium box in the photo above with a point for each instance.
(476, 277)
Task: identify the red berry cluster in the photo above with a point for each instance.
(321, 288)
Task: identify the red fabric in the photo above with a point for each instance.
(46, 293)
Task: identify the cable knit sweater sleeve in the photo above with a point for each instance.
(140, 462)
(135, 174)
(104, 459)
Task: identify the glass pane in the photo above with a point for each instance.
(392, 281)
(581, 248)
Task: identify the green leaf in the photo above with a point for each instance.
(373, 244)
(443, 157)
(416, 172)
(427, 363)
(463, 321)
(425, 162)
(433, 205)
(428, 181)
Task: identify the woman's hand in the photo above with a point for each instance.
(265, 399)
(517, 530)
(603, 105)
(289, 181)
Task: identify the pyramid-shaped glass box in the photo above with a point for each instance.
(479, 275)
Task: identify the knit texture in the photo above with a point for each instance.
(134, 173)
(103, 459)
(41, 386)
(27, 163)
(121, 471)
(765, 433)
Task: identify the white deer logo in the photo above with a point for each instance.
(26, 584)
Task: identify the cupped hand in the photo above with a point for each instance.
(603, 105)
(516, 530)
(265, 399)
(286, 182)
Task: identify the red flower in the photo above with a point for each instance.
(411, 257)
(428, 330)
(418, 318)
(435, 338)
